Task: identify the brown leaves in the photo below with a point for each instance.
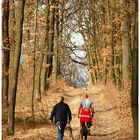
(28, 59)
(26, 49)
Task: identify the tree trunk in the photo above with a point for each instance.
(36, 74)
(51, 38)
(104, 69)
(14, 72)
(113, 44)
(91, 72)
(134, 80)
(44, 68)
(11, 36)
(56, 46)
(125, 44)
(6, 53)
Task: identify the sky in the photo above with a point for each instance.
(77, 39)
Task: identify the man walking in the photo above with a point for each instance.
(62, 114)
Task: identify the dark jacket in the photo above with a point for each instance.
(61, 112)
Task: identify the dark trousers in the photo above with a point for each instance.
(60, 126)
(85, 130)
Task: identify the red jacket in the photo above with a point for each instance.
(85, 115)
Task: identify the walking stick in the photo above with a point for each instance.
(71, 134)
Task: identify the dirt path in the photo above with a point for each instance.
(108, 121)
(112, 120)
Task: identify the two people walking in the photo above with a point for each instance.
(61, 114)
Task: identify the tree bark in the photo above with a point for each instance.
(6, 53)
(44, 68)
(125, 44)
(11, 36)
(36, 73)
(14, 72)
(56, 46)
(51, 40)
(113, 44)
(134, 80)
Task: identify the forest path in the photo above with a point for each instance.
(112, 119)
(105, 118)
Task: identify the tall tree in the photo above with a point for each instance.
(14, 72)
(50, 40)
(44, 59)
(35, 92)
(134, 80)
(51, 37)
(6, 51)
(125, 43)
(56, 45)
(36, 73)
(12, 25)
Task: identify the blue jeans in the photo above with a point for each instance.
(60, 126)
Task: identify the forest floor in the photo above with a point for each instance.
(112, 118)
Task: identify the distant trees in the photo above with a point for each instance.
(107, 34)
